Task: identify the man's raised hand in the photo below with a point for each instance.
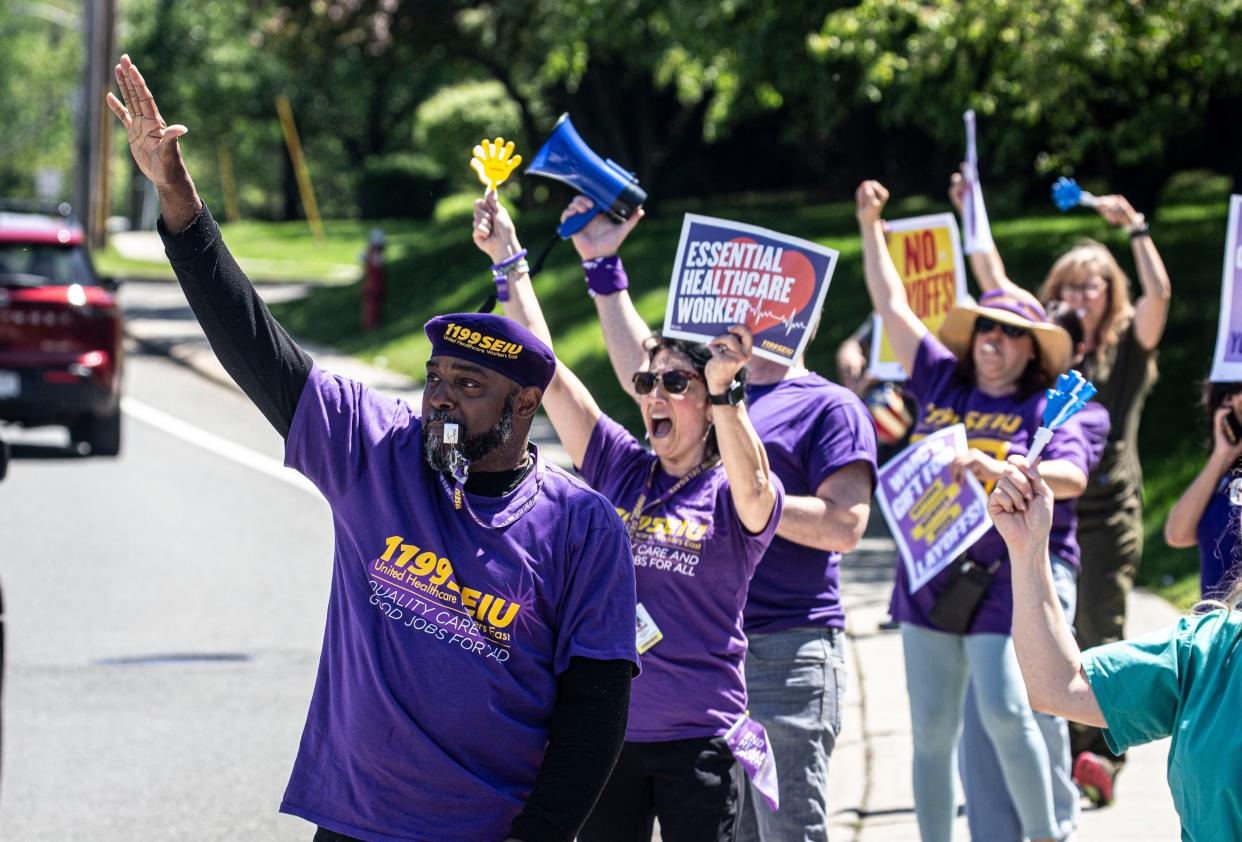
(153, 143)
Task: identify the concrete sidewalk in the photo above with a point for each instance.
(871, 799)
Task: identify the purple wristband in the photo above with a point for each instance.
(605, 275)
(502, 286)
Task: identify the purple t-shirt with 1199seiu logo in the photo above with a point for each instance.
(811, 428)
(693, 560)
(444, 637)
(1000, 427)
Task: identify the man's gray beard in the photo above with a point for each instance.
(456, 459)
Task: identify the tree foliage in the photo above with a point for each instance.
(697, 98)
(1115, 87)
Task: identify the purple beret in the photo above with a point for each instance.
(493, 342)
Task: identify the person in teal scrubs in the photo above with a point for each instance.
(1184, 682)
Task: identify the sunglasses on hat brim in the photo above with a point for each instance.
(675, 381)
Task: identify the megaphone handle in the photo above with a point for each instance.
(575, 223)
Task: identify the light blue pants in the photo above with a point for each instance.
(796, 681)
(989, 810)
(939, 665)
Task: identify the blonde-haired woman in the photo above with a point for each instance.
(1121, 338)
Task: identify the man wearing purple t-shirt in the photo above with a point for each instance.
(476, 665)
(821, 444)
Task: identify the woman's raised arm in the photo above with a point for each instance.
(570, 407)
(888, 294)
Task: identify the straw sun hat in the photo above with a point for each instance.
(1055, 348)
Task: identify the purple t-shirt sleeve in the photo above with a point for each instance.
(842, 436)
(336, 427)
(752, 541)
(1069, 442)
(1095, 425)
(610, 455)
(599, 598)
(934, 367)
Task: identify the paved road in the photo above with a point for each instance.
(165, 611)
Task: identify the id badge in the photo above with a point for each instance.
(649, 633)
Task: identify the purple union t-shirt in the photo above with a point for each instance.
(1000, 427)
(811, 428)
(1217, 534)
(693, 560)
(444, 638)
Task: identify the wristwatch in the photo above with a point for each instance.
(734, 395)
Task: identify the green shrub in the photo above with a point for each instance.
(399, 186)
(450, 123)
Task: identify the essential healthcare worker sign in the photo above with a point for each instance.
(729, 273)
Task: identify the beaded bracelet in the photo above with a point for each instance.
(509, 261)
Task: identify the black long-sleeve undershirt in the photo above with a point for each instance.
(252, 346)
(592, 700)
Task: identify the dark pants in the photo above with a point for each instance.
(325, 835)
(692, 786)
(1111, 552)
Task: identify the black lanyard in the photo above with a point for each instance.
(642, 505)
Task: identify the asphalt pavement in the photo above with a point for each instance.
(165, 611)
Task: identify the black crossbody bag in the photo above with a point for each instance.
(959, 600)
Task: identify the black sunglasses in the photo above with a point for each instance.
(985, 325)
(676, 381)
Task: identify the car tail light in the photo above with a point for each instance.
(92, 364)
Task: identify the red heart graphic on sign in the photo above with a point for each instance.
(772, 310)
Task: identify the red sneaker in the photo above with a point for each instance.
(1095, 776)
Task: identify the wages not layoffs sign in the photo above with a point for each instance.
(927, 252)
(729, 273)
(933, 517)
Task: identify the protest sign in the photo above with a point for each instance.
(978, 233)
(933, 518)
(1227, 361)
(728, 273)
(748, 740)
(928, 255)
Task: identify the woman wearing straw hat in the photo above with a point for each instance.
(987, 368)
(1121, 336)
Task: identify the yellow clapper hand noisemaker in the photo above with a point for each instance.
(493, 162)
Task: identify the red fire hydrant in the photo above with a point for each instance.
(373, 281)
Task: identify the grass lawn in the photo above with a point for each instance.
(280, 251)
(434, 268)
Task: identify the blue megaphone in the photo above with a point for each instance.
(567, 159)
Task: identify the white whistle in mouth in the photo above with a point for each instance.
(450, 433)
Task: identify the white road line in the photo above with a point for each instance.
(218, 445)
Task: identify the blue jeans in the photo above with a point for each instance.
(939, 665)
(989, 809)
(795, 680)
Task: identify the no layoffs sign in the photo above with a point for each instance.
(729, 273)
(927, 252)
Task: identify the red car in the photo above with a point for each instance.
(60, 332)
